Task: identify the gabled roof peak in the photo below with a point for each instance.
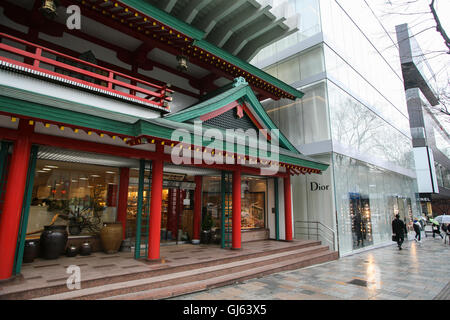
(236, 92)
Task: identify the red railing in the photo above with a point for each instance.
(43, 62)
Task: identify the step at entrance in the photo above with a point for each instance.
(183, 279)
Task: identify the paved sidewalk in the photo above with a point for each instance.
(421, 271)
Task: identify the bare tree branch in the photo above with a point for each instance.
(439, 27)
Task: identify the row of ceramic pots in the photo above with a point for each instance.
(53, 242)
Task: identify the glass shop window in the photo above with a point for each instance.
(361, 220)
(66, 193)
(253, 202)
(212, 200)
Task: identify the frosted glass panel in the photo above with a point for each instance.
(367, 198)
(302, 121)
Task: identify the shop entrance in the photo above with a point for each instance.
(177, 211)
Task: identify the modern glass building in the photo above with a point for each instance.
(430, 140)
(353, 115)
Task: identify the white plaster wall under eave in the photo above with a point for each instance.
(44, 92)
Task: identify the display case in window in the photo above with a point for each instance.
(253, 210)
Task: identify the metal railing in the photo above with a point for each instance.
(318, 231)
(52, 65)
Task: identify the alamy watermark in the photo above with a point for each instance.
(73, 21)
(74, 280)
(232, 146)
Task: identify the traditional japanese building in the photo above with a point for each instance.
(121, 119)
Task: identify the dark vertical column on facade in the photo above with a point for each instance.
(154, 235)
(277, 210)
(172, 208)
(288, 207)
(180, 208)
(12, 209)
(236, 216)
(197, 209)
(123, 198)
(140, 206)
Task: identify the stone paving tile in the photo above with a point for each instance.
(419, 272)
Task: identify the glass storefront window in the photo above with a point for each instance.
(212, 201)
(367, 199)
(361, 220)
(63, 191)
(253, 202)
(177, 208)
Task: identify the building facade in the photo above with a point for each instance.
(125, 121)
(353, 115)
(430, 139)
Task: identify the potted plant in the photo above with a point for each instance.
(207, 224)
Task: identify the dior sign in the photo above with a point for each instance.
(318, 187)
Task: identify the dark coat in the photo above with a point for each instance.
(399, 227)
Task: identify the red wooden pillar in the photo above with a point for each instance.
(123, 198)
(288, 207)
(236, 207)
(154, 234)
(197, 209)
(12, 208)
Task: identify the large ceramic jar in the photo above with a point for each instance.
(31, 250)
(111, 237)
(53, 241)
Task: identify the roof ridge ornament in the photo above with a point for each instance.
(239, 81)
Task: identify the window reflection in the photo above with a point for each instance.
(64, 190)
(308, 25)
(367, 198)
(356, 126)
(361, 220)
(305, 120)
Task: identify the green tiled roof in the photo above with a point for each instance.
(198, 36)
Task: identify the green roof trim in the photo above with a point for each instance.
(163, 128)
(164, 18)
(41, 111)
(158, 127)
(248, 67)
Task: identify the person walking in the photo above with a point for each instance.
(399, 230)
(436, 228)
(417, 229)
(446, 229)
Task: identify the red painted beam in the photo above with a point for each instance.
(218, 112)
(8, 134)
